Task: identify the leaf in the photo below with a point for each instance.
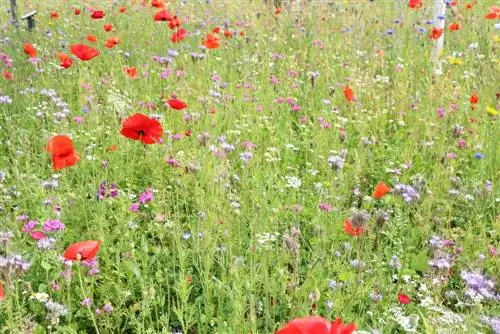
(346, 276)
(420, 261)
(46, 265)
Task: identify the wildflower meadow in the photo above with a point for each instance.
(249, 166)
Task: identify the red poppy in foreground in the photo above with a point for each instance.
(179, 35)
(177, 104)
(316, 325)
(84, 52)
(349, 94)
(415, 4)
(381, 189)
(65, 60)
(141, 127)
(436, 33)
(108, 27)
(30, 50)
(97, 14)
(63, 152)
(403, 299)
(350, 229)
(163, 15)
(211, 41)
(83, 250)
(77, 11)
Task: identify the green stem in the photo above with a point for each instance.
(88, 306)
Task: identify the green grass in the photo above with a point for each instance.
(208, 254)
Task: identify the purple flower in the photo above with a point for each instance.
(86, 302)
(493, 322)
(108, 308)
(146, 196)
(478, 286)
(408, 193)
(325, 207)
(30, 226)
(336, 162)
(53, 225)
(45, 243)
(134, 207)
(246, 157)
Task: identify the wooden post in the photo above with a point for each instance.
(13, 12)
(439, 22)
(30, 18)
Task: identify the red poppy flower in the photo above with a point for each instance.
(177, 104)
(2, 293)
(108, 27)
(157, 3)
(211, 41)
(403, 299)
(415, 4)
(30, 50)
(63, 152)
(228, 33)
(122, 10)
(112, 42)
(278, 10)
(436, 33)
(175, 22)
(316, 325)
(474, 99)
(7, 75)
(216, 30)
(491, 16)
(351, 230)
(37, 235)
(163, 15)
(131, 72)
(454, 26)
(84, 52)
(54, 15)
(349, 94)
(65, 60)
(77, 11)
(381, 189)
(179, 35)
(83, 250)
(91, 38)
(141, 127)
(97, 14)
(494, 13)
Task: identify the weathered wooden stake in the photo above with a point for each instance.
(30, 18)
(439, 22)
(13, 12)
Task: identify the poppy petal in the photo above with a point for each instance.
(82, 250)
